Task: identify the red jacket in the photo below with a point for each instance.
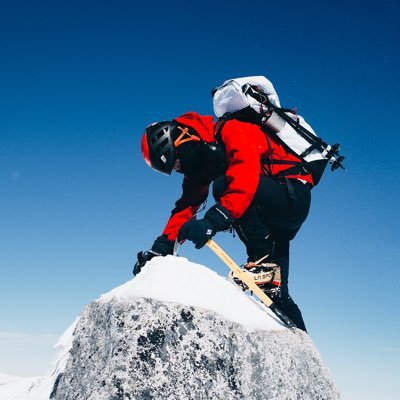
(246, 144)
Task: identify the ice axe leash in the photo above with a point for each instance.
(241, 274)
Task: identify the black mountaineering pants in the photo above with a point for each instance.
(279, 208)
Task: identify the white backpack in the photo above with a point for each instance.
(256, 93)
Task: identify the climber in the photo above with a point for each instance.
(264, 210)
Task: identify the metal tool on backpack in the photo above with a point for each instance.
(253, 99)
(275, 119)
(266, 275)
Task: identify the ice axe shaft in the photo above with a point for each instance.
(177, 244)
(241, 274)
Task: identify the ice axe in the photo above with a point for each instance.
(241, 274)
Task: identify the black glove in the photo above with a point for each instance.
(216, 219)
(161, 247)
(199, 231)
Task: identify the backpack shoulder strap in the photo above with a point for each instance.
(244, 115)
(219, 125)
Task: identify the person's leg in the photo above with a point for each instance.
(273, 218)
(252, 227)
(282, 299)
(285, 212)
(284, 204)
(273, 212)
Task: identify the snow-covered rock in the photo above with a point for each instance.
(180, 331)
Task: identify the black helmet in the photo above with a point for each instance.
(158, 147)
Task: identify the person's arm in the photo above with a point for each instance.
(244, 143)
(193, 195)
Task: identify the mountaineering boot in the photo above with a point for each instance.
(267, 276)
(260, 240)
(259, 243)
(282, 299)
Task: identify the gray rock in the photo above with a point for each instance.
(151, 350)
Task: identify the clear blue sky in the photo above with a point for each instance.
(79, 82)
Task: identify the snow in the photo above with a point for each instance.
(170, 279)
(38, 388)
(17, 388)
(175, 279)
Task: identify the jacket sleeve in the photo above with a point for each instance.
(244, 143)
(193, 195)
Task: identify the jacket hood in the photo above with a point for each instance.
(202, 124)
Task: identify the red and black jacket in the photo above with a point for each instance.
(246, 145)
